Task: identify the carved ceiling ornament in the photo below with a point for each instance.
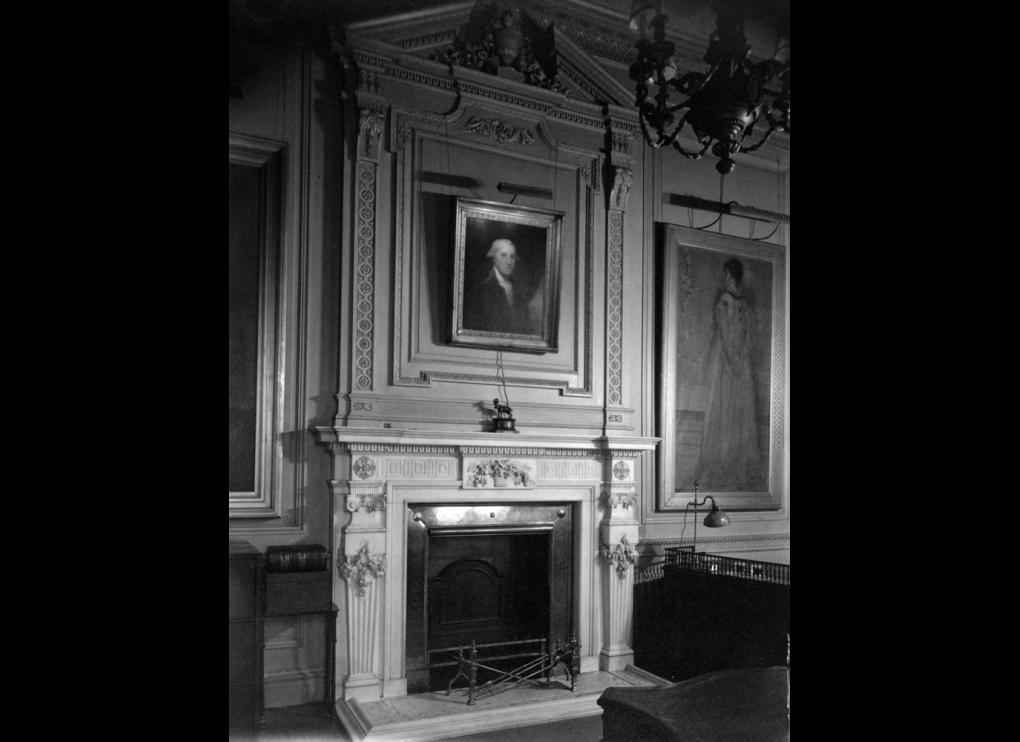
(362, 568)
(503, 36)
(623, 555)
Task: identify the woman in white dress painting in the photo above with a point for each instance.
(730, 457)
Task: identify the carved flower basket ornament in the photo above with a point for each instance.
(500, 472)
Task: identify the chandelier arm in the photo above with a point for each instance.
(690, 155)
(764, 139)
(690, 82)
(648, 137)
(678, 106)
(668, 139)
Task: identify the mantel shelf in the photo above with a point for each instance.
(468, 440)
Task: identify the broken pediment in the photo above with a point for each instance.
(579, 51)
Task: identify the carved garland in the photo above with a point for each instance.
(501, 131)
(361, 568)
(623, 555)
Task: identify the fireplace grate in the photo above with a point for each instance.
(541, 664)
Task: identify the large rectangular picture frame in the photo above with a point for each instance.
(693, 281)
(536, 235)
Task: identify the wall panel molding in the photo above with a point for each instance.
(282, 510)
(266, 158)
(416, 365)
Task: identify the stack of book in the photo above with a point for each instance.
(297, 558)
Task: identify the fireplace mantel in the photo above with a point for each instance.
(370, 439)
(377, 472)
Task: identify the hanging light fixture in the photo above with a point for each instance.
(723, 105)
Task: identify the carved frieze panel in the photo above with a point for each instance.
(495, 473)
(414, 467)
(559, 470)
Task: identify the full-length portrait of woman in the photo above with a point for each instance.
(730, 456)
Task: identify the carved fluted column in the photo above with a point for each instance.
(618, 535)
(361, 564)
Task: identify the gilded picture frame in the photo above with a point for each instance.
(505, 289)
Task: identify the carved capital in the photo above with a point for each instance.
(370, 502)
(362, 568)
(622, 180)
(590, 174)
(370, 127)
(623, 555)
(624, 500)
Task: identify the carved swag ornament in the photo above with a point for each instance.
(361, 568)
(623, 555)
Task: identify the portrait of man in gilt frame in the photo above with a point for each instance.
(505, 291)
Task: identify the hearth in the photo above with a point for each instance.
(497, 574)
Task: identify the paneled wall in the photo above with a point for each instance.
(291, 103)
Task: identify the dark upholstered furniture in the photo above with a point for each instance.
(740, 705)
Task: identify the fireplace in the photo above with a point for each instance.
(498, 575)
(540, 559)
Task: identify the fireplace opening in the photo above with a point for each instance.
(498, 575)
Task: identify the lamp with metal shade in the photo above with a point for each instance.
(716, 518)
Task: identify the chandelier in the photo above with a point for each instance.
(723, 105)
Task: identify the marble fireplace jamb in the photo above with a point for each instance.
(361, 565)
(618, 537)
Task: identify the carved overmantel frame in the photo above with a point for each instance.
(377, 473)
(588, 142)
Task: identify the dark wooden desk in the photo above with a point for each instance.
(711, 613)
(247, 583)
(743, 705)
(307, 593)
